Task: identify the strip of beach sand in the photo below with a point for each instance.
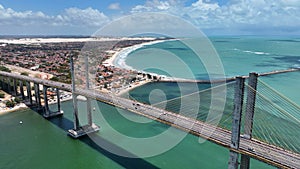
(118, 59)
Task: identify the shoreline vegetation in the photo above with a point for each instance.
(39, 67)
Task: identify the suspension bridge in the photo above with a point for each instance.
(271, 135)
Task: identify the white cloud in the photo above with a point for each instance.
(241, 16)
(149, 22)
(156, 5)
(236, 15)
(87, 17)
(24, 22)
(114, 6)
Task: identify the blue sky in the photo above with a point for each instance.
(215, 17)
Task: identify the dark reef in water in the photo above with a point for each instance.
(289, 59)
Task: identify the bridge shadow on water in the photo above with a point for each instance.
(66, 124)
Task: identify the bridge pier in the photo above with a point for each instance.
(46, 106)
(28, 88)
(89, 111)
(78, 130)
(8, 85)
(22, 89)
(15, 87)
(236, 123)
(250, 105)
(248, 122)
(245, 162)
(58, 100)
(1, 82)
(37, 96)
(47, 112)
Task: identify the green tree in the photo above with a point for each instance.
(24, 73)
(5, 69)
(10, 103)
(54, 78)
(2, 95)
(17, 100)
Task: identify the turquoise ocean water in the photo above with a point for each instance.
(39, 143)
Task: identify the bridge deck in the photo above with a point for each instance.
(268, 153)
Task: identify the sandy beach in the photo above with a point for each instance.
(62, 40)
(21, 106)
(131, 87)
(118, 59)
(8, 110)
(123, 52)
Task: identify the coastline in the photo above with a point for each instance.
(118, 59)
(119, 56)
(131, 87)
(64, 40)
(23, 106)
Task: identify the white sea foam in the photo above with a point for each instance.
(256, 52)
(297, 66)
(120, 60)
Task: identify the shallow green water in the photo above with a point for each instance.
(39, 143)
(239, 56)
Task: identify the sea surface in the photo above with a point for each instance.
(40, 143)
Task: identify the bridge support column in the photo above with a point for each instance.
(58, 100)
(245, 162)
(37, 96)
(75, 114)
(29, 92)
(248, 123)
(250, 105)
(89, 111)
(78, 130)
(22, 89)
(15, 87)
(236, 123)
(1, 82)
(8, 85)
(48, 113)
(46, 106)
